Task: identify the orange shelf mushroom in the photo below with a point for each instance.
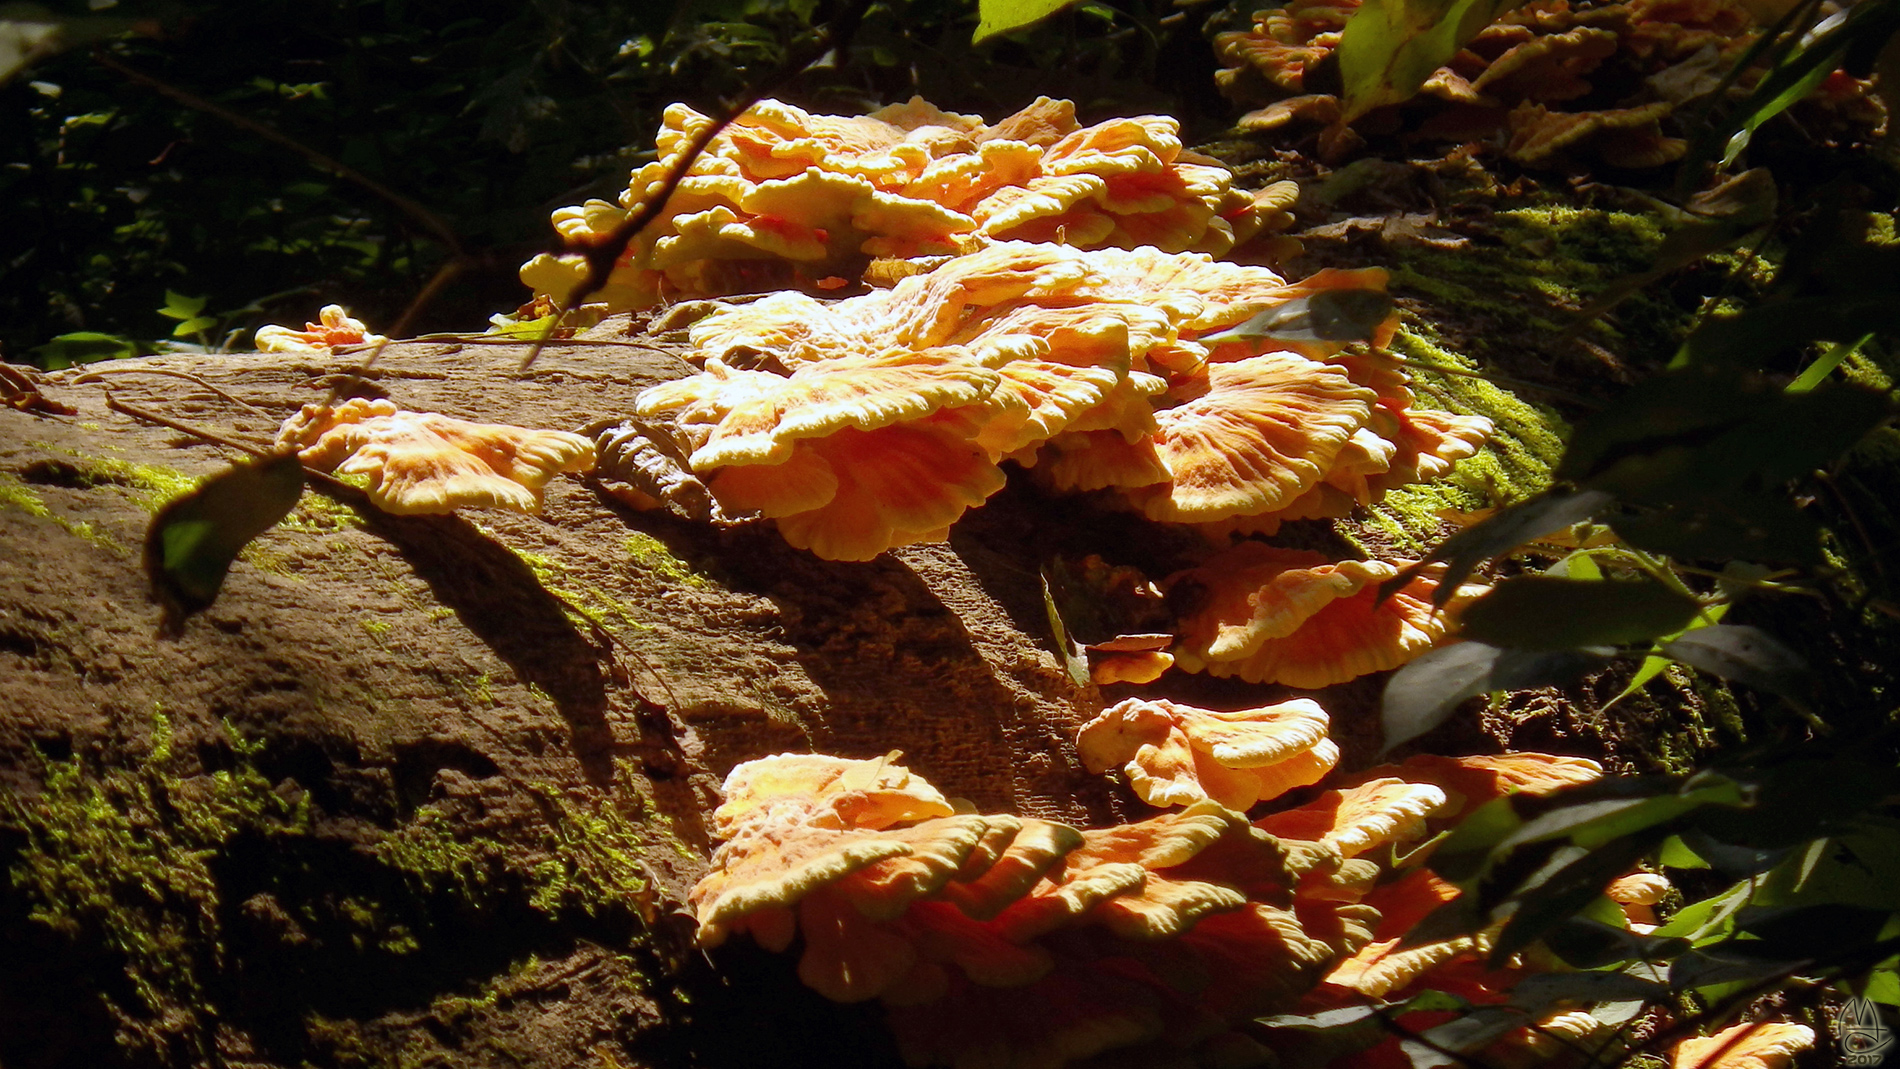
(420, 462)
(1516, 75)
(876, 420)
(785, 198)
(334, 328)
(1744, 1046)
(1067, 944)
(1271, 615)
(1177, 755)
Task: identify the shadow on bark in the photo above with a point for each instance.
(498, 598)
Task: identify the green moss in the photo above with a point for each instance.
(319, 512)
(588, 859)
(437, 854)
(1514, 464)
(123, 862)
(592, 864)
(651, 553)
(16, 495)
(151, 484)
(578, 597)
(1544, 266)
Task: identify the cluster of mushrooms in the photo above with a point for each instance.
(784, 198)
(1157, 936)
(1550, 78)
(1039, 295)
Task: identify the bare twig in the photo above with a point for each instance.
(429, 220)
(98, 373)
(601, 255)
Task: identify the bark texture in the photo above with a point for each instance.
(429, 789)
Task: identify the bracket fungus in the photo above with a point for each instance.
(1624, 66)
(876, 420)
(1271, 615)
(1177, 755)
(786, 198)
(1068, 943)
(1744, 1046)
(334, 328)
(421, 462)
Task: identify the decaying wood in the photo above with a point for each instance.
(483, 672)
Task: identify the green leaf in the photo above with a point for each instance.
(1542, 991)
(1467, 851)
(1331, 315)
(194, 538)
(1706, 434)
(194, 325)
(1498, 533)
(179, 306)
(1758, 335)
(1654, 665)
(1421, 695)
(1744, 654)
(1539, 612)
(1352, 1016)
(1066, 648)
(1824, 365)
(1736, 525)
(1710, 919)
(1389, 47)
(84, 347)
(1558, 896)
(1002, 16)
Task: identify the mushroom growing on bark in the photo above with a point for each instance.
(786, 198)
(334, 327)
(1067, 944)
(420, 462)
(1290, 616)
(1176, 754)
(876, 420)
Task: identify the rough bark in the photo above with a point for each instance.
(429, 788)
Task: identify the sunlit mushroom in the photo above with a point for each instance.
(334, 328)
(1176, 754)
(420, 462)
(1754, 1045)
(1291, 616)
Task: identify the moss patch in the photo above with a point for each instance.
(123, 862)
(587, 860)
(651, 553)
(577, 595)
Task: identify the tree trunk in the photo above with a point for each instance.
(424, 790)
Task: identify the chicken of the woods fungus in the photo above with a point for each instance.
(1272, 615)
(1550, 79)
(334, 328)
(1065, 943)
(1158, 935)
(783, 198)
(870, 422)
(1744, 1046)
(421, 462)
(1176, 754)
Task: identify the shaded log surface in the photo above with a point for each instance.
(466, 775)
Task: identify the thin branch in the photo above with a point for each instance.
(199, 433)
(429, 220)
(98, 373)
(601, 255)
